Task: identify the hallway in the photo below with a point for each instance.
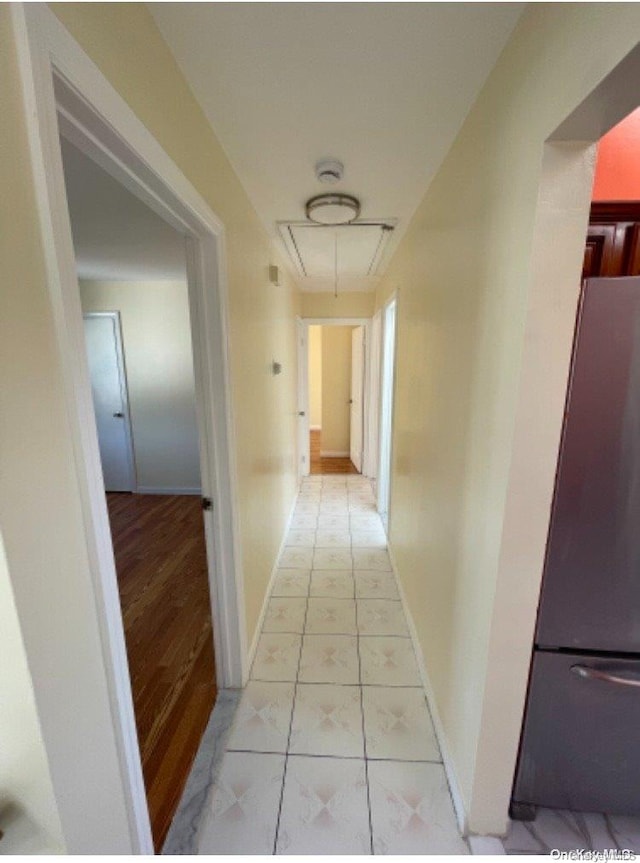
(434, 196)
(332, 749)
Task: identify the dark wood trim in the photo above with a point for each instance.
(612, 246)
(608, 212)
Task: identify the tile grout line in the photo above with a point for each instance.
(293, 707)
(364, 739)
(319, 755)
(351, 634)
(328, 683)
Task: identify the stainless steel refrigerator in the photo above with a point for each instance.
(580, 745)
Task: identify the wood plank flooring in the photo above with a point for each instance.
(161, 562)
(327, 465)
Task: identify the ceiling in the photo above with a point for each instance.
(115, 236)
(384, 87)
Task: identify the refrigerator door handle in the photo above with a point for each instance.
(588, 673)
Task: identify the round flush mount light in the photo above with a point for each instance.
(333, 209)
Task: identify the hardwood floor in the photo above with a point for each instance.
(327, 465)
(164, 595)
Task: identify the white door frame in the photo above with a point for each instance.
(304, 443)
(124, 390)
(357, 333)
(372, 430)
(64, 92)
(303, 379)
(387, 387)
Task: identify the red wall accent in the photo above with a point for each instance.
(618, 164)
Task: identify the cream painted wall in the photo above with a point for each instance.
(315, 376)
(28, 814)
(42, 524)
(462, 274)
(43, 527)
(158, 355)
(336, 389)
(348, 305)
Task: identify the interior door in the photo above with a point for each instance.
(357, 390)
(109, 391)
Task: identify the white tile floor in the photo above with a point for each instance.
(332, 749)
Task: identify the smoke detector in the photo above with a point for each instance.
(329, 171)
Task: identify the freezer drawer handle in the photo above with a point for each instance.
(588, 673)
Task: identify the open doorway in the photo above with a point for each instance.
(335, 397)
(66, 93)
(585, 663)
(133, 289)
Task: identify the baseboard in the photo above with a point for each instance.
(153, 489)
(452, 779)
(265, 601)
(315, 428)
(330, 453)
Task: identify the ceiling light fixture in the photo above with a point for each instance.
(332, 209)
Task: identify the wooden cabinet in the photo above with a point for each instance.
(613, 240)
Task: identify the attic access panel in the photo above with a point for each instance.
(357, 247)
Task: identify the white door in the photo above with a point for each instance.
(357, 389)
(109, 391)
